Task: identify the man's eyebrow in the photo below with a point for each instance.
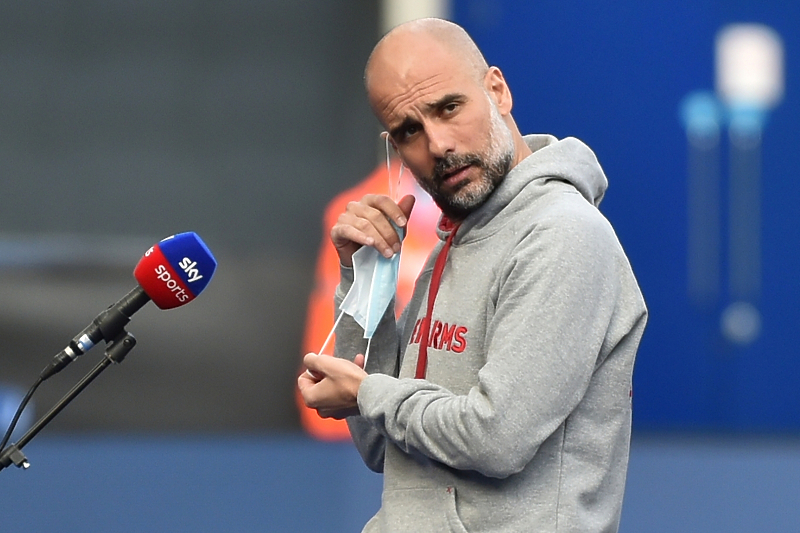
(444, 100)
(431, 106)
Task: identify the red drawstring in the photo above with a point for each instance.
(436, 278)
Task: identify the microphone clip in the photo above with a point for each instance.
(118, 348)
(13, 454)
(108, 326)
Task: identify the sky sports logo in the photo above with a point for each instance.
(176, 270)
(178, 278)
(186, 264)
(173, 285)
(190, 267)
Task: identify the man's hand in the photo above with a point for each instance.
(366, 223)
(331, 385)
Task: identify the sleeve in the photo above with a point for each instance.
(369, 442)
(556, 295)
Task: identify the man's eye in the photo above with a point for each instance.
(450, 108)
(410, 131)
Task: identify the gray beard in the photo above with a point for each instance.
(494, 164)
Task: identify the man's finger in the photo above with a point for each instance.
(359, 360)
(406, 204)
(387, 207)
(379, 212)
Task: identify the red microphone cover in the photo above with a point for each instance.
(174, 271)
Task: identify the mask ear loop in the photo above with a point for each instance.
(330, 335)
(324, 344)
(394, 193)
(399, 177)
(385, 136)
(366, 352)
(369, 308)
(394, 189)
(394, 186)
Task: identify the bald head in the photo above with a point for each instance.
(447, 113)
(419, 39)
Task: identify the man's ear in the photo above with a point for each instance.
(495, 84)
(388, 138)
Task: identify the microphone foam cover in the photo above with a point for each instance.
(176, 270)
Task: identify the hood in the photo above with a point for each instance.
(567, 160)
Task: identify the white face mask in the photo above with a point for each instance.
(374, 287)
(374, 279)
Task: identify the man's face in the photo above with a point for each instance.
(486, 169)
(446, 128)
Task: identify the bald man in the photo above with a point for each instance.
(500, 401)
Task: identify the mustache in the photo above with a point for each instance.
(452, 162)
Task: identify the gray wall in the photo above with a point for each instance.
(124, 122)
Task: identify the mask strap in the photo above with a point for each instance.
(366, 352)
(330, 335)
(369, 307)
(394, 187)
(399, 176)
(322, 350)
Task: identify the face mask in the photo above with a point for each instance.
(374, 286)
(374, 280)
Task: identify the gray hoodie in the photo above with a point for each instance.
(523, 420)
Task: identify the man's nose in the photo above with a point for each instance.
(440, 140)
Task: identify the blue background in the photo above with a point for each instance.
(286, 483)
(613, 74)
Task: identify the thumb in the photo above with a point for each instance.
(406, 204)
(310, 361)
(359, 360)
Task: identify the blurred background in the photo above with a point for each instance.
(124, 122)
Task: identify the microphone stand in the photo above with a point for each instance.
(115, 352)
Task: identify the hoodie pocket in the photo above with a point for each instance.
(420, 511)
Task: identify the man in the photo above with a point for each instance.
(500, 401)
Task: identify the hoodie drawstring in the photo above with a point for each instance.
(436, 278)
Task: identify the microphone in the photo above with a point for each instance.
(172, 273)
